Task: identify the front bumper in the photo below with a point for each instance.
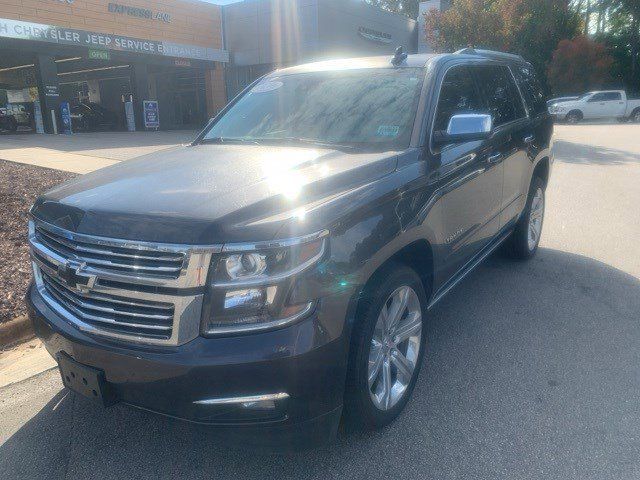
(305, 361)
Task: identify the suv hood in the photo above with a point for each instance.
(207, 194)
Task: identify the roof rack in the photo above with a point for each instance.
(490, 54)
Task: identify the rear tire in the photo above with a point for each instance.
(523, 242)
(386, 349)
(635, 116)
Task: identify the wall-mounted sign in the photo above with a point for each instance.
(99, 54)
(51, 91)
(374, 35)
(139, 12)
(151, 114)
(68, 36)
(182, 62)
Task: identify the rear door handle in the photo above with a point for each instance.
(528, 139)
(495, 158)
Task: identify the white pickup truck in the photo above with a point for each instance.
(597, 105)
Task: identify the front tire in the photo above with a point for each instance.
(523, 242)
(387, 349)
(574, 117)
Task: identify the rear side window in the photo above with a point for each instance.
(458, 94)
(606, 97)
(501, 93)
(531, 89)
(610, 96)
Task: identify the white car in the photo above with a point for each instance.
(597, 105)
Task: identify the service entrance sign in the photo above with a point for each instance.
(151, 114)
(105, 41)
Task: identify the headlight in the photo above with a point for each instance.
(251, 284)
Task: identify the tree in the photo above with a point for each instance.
(579, 65)
(403, 7)
(468, 22)
(531, 28)
(633, 8)
(615, 23)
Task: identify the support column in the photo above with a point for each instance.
(48, 90)
(140, 85)
(215, 90)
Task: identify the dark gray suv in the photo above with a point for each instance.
(276, 275)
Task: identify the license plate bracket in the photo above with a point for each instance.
(87, 381)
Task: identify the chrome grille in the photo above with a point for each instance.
(121, 259)
(128, 290)
(120, 315)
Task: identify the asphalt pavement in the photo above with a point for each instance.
(532, 370)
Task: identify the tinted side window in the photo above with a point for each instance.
(458, 94)
(501, 94)
(531, 89)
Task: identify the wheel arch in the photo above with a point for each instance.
(575, 110)
(417, 255)
(542, 170)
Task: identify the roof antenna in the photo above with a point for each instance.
(398, 57)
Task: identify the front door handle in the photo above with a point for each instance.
(528, 139)
(495, 158)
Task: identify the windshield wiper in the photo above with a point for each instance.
(312, 141)
(222, 140)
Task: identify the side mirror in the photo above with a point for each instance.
(466, 127)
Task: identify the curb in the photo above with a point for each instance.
(14, 331)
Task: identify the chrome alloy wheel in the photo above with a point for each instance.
(395, 347)
(535, 219)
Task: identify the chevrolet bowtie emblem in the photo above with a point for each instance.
(73, 275)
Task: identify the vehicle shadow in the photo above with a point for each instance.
(569, 152)
(530, 367)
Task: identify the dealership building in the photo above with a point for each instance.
(104, 54)
(262, 35)
(184, 58)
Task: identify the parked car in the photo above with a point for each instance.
(598, 105)
(8, 120)
(90, 117)
(20, 113)
(276, 275)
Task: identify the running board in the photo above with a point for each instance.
(468, 268)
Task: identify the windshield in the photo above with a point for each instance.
(354, 108)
